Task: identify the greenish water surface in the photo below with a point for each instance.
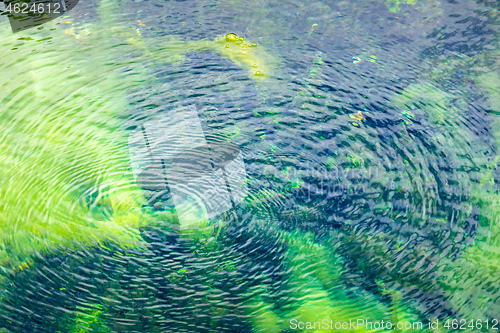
(370, 137)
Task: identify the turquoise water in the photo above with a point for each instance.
(368, 133)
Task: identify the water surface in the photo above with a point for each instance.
(369, 133)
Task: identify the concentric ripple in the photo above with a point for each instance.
(370, 146)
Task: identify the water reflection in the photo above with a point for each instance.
(370, 186)
(198, 176)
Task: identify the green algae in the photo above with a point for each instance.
(317, 292)
(425, 96)
(459, 278)
(393, 5)
(89, 319)
(57, 134)
(256, 60)
(249, 55)
(470, 280)
(60, 120)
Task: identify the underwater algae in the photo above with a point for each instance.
(59, 135)
(469, 280)
(65, 177)
(64, 163)
(414, 233)
(315, 289)
(91, 199)
(393, 5)
(473, 279)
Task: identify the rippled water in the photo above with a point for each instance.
(369, 132)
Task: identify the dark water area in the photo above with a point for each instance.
(369, 139)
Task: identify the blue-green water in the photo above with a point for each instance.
(370, 140)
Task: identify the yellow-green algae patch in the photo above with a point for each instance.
(60, 134)
(432, 100)
(251, 56)
(393, 5)
(60, 138)
(426, 5)
(459, 278)
(316, 292)
(246, 54)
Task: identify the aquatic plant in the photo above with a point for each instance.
(89, 319)
(316, 288)
(424, 5)
(393, 5)
(455, 276)
(246, 54)
(60, 119)
(87, 153)
(60, 139)
(471, 280)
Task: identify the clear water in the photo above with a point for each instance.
(369, 132)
